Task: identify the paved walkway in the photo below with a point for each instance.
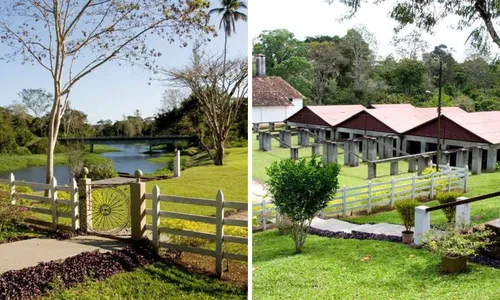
(258, 193)
(28, 253)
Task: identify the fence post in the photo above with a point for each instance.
(462, 214)
(12, 189)
(219, 216)
(466, 179)
(156, 217)
(53, 200)
(344, 202)
(85, 191)
(431, 195)
(422, 223)
(264, 219)
(392, 192)
(75, 207)
(138, 207)
(177, 164)
(413, 186)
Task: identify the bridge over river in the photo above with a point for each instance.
(147, 140)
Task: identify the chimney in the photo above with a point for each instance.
(260, 63)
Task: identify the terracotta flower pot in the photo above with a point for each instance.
(407, 237)
(454, 264)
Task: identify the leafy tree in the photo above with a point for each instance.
(230, 15)
(299, 72)
(300, 190)
(410, 46)
(220, 89)
(480, 16)
(409, 76)
(326, 59)
(38, 101)
(72, 39)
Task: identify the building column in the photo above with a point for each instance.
(398, 147)
(423, 163)
(371, 149)
(271, 126)
(492, 159)
(423, 147)
(381, 148)
(388, 148)
(286, 137)
(347, 156)
(372, 170)
(394, 168)
(445, 158)
(477, 157)
(412, 165)
(294, 153)
(462, 158)
(354, 160)
(364, 146)
(315, 150)
(256, 127)
(404, 145)
(322, 135)
(305, 137)
(330, 152)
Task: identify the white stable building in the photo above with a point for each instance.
(273, 99)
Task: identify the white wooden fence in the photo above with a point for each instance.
(219, 221)
(380, 193)
(53, 200)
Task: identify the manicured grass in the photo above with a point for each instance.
(159, 281)
(354, 269)
(14, 162)
(482, 211)
(349, 176)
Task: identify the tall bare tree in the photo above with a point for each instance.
(72, 38)
(220, 89)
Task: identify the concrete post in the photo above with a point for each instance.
(371, 149)
(299, 136)
(267, 141)
(404, 145)
(285, 138)
(372, 170)
(260, 138)
(256, 127)
(85, 203)
(492, 160)
(462, 158)
(381, 148)
(477, 158)
(305, 137)
(315, 150)
(389, 152)
(347, 156)
(394, 168)
(422, 223)
(337, 135)
(462, 214)
(322, 135)
(353, 159)
(364, 146)
(423, 163)
(138, 207)
(445, 158)
(330, 152)
(177, 164)
(423, 147)
(271, 126)
(398, 146)
(412, 165)
(294, 153)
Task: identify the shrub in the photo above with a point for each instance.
(22, 151)
(180, 145)
(449, 197)
(99, 167)
(457, 242)
(170, 163)
(301, 189)
(406, 210)
(10, 215)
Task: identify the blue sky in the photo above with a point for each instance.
(112, 91)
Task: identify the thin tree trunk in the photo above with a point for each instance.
(224, 63)
(219, 153)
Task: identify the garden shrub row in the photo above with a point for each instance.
(36, 281)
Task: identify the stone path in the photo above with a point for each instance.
(258, 193)
(28, 253)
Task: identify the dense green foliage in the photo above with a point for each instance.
(448, 197)
(406, 209)
(300, 190)
(347, 70)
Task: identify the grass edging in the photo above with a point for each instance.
(36, 281)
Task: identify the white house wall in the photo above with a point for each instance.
(275, 114)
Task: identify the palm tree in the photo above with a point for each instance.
(230, 15)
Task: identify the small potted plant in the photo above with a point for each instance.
(406, 209)
(456, 245)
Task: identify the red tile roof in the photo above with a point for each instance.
(272, 91)
(332, 115)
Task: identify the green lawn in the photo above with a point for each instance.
(159, 281)
(99, 149)
(334, 269)
(10, 163)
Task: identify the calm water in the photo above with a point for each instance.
(126, 161)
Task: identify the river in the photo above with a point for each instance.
(127, 160)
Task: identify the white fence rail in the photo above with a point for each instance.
(219, 221)
(53, 200)
(379, 194)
